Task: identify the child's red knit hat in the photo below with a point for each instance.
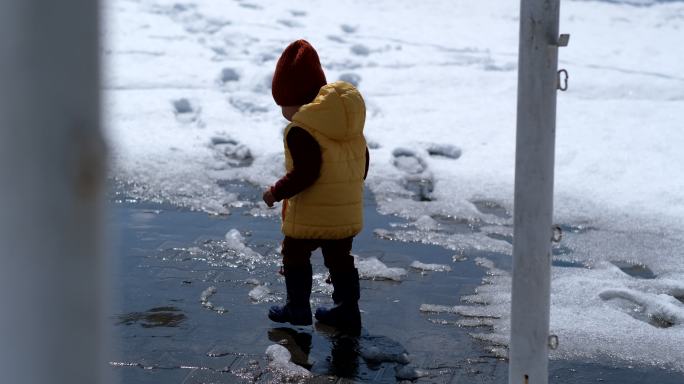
(298, 76)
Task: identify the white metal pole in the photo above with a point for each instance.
(533, 204)
(51, 173)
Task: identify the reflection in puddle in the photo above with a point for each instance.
(155, 317)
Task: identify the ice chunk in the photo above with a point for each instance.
(432, 308)
(426, 223)
(430, 267)
(206, 303)
(374, 269)
(280, 362)
(260, 294)
(207, 293)
(235, 241)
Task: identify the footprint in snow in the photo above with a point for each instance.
(489, 207)
(336, 39)
(351, 78)
(192, 21)
(229, 75)
(187, 112)
(298, 13)
(372, 144)
(346, 28)
(360, 50)
(231, 153)
(250, 6)
(445, 150)
(408, 160)
(246, 106)
(291, 23)
(417, 179)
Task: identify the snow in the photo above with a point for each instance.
(236, 242)
(187, 106)
(279, 361)
(373, 269)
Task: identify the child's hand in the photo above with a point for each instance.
(268, 198)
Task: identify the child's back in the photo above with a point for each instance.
(326, 160)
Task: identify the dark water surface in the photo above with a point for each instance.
(163, 334)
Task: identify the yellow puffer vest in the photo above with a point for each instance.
(331, 208)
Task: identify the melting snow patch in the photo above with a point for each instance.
(430, 267)
(476, 241)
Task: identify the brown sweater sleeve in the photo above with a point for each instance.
(306, 156)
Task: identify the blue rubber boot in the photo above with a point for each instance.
(297, 309)
(345, 315)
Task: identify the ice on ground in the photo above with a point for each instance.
(206, 303)
(261, 294)
(426, 223)
(280, 363)
(430, 267)
(229, 252)
(373, 269)
(457, 242)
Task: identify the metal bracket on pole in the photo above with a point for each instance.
(562, 80)
(553, 342)
(563, 40)
(556, 233)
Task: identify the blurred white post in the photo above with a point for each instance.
(533, 205)
(51, 175)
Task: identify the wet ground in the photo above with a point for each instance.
(183, 313)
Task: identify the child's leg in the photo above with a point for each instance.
(345, 280)
(297, 270)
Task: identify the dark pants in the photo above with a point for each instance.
(336, 253)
